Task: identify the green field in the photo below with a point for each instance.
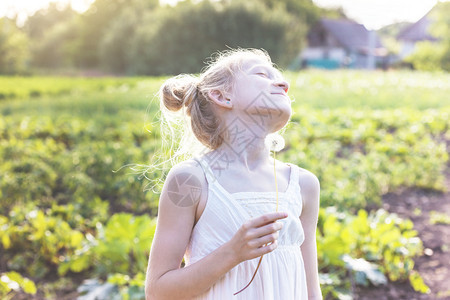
(73, 209)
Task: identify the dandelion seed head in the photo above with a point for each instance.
(275, 142)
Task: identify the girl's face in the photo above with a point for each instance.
(260, 91)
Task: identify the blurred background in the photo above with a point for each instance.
(146, 37)
(80, 132)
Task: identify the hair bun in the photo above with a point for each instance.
(178, 91)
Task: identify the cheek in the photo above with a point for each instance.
(245, 94)
(248, 92)
(253, 97)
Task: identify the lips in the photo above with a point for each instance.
(280, 92)
(284, 94)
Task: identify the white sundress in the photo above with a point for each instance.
(281, 275)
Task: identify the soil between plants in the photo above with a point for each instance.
(434, 265)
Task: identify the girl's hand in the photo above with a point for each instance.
(253, 238)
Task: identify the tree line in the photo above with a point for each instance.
(142, 37)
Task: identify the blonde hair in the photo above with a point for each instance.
(189, 94)
(189, 122)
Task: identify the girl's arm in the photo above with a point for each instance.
(165, 279)
(310, 189)
(176, 217)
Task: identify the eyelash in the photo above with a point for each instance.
(260, 73)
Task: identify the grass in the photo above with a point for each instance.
(313, 88)
(374, 90)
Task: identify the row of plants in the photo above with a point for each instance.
(366, 248)
(74, 207)
(66, 159)
(373, 90)
(361, 155)
(117, 249)
(60, 242)
(315, 88)
(45, 161)
(61, 215)
(35, 87)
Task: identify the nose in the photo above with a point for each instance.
(282, 84)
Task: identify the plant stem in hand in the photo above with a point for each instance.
(276, 209)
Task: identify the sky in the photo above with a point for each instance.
(374, 14)
(23, 8)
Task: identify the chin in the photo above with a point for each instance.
(286, 112)
(282, 120)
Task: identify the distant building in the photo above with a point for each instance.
(417, 32)
(343, 43)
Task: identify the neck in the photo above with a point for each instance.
(243, 146)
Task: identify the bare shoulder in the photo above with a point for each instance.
(189, 166)
(309, 183)
(187, 169)
(184, 183)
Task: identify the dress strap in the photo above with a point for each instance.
(295, 175)
(293, 180)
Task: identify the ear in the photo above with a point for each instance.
(219, 98)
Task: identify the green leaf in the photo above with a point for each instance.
(138, 280)
(119, 279)
(4, 287)
(439, 218)
(417, 283)
(6, 241)
(14, 281)
(80, 264)
(29, 287)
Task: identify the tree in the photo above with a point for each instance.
(182, 37)
(427, 56)
(38, 24)
(304, 10)
(97, 20)
(432, 56)
(53, 36)
(14, 48)
(114, 48)
(58, 47)
(441, 29)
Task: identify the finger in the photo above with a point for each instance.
(269, 238)
(268, 218)
(266, 229)
(266, 249)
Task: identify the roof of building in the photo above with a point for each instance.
(350, 34)
(418, 31)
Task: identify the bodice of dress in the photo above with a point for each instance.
(225, 213)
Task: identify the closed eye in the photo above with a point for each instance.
(263, 74)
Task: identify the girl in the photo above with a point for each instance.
(219, 209)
